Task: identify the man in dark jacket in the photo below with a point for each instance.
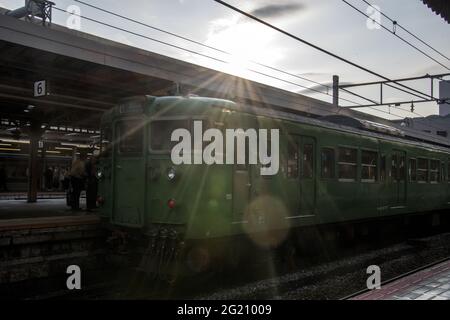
(92, 184)
(77, 178)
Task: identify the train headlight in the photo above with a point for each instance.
(171, 173)
(99, 174)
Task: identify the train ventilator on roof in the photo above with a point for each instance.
(364, 125)
(379, 127)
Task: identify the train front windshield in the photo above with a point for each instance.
(161, 132)
(130, 137)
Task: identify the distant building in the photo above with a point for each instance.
(434, 124)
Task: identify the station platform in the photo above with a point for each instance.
(35, 249)
(19, 209)
(429, 284)
(40, 195)
(47, 222)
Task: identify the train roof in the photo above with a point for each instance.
(361, 127)
(387, 131)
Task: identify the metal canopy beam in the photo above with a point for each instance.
(87, 48)
(422, 98)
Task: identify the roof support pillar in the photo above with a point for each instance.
(35, 134)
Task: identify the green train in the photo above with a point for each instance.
(331, 171)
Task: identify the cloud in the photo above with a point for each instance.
(277, 10)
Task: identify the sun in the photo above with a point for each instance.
(245, 41)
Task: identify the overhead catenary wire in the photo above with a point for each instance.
(198, 43)
(228, 53)
(396, 35)
(198, 53)
(316, 46)
(406, 30)
(207, 56)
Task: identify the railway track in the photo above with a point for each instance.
(386, 282)
(332, 279)
(341, 278)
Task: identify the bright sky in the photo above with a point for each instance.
(330, 24)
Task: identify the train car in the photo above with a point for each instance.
(331, 172)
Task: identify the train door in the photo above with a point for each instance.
(384, 195)
(292, 183)
(447, 178)
(241, 191)
(129, 177)
(398, 168)
(242, 173)
(307, 175)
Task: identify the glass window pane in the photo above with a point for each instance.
(412, 169)
(161, 132)
(130, 135)
(347, 171)
(448, 170)
(369, 165)
(292, 160)
(347, 155)
(401, 168)
(327, 163)
(347, 164)
(422, 170)
(434, 170)
(394, 168)
(308, 161)
(383, 168)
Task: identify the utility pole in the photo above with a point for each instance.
(336, 91)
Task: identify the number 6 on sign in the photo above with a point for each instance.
(40, 88)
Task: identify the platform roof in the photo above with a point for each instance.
(88, 75)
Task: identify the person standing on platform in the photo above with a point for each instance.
(92, 184)
(48, 178)
(62, 177)
(77, 178)
(55, 182)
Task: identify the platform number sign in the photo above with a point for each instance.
(40, 88)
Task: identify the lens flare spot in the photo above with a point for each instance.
(266, 225)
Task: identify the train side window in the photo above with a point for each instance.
(369, 166)
(443, 172)
(401, 168)
(412, 172)
(394, 168)
(383, 168)
(434, 171)
(308, 161)
(327, 163)
(448, 170)
(422, 170)
(347, 164)
(292, 160)
(131, 137)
